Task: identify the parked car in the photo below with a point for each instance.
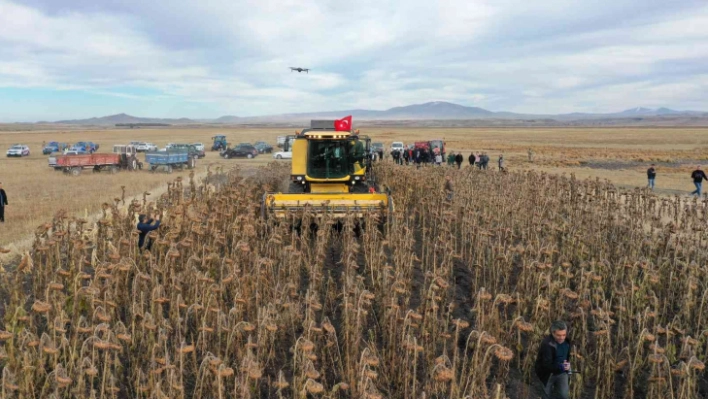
(75, 150)
(18, 150)
(283, 155)
(263, 147)
(397, 146)
(54, 146)
(145, 147)
(280, 141)
(200, 149)
(190, 148)
(87, 146)
(241, 150)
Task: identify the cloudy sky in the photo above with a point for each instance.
(201, 59)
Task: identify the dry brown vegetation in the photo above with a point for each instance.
(617, 154)
(448, 300)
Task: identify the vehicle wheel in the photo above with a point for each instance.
(227, 155)
(278, 156)
(75, 171)
(140, 165)
(249, 156)
(133, 164)
(152, 168)
(169, 168)
(96, 169)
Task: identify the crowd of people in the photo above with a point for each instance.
(419, 156)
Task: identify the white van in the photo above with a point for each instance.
(397, 146)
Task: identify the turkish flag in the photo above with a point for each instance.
(344, 124)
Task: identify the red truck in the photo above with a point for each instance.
(123, 157)
(431, 145)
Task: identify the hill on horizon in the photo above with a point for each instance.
(434, 110)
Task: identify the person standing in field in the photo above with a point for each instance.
(449, 191)
(698, 176)
(530, 155)
(501, 163)
(472, 159)
(3, 204)
(553, 362)
(451, 158)
(458, 160)
(145, 226)
(651, 176)
(438, 159)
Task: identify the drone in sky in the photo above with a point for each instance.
(306, 70)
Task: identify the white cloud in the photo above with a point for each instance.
(542, 57)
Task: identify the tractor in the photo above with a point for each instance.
(220, 143)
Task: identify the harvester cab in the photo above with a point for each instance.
(220, 143)
(331, 174)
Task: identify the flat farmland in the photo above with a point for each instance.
(620, 155)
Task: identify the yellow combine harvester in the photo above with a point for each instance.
(330, 175)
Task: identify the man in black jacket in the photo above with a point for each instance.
(3, 203)
(472, 159)
(553, 362)
(651, 176)
(458, 160)
(698, 176)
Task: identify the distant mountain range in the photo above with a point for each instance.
(436, 110)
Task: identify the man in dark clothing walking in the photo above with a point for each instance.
(458, 160)
(651, 175)
(145, 226)
(553, 362)
(3, 204)
(472, 159)
(698, 176)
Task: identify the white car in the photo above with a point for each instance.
(145, 147)
(199, 146)
(283, 155)
(18, 150)
(397, 146)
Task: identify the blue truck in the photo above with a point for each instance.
(168, 160)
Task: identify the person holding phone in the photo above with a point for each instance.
(553, 362)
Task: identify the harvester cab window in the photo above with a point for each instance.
(328, 159)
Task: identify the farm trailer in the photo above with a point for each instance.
(123, 157)
(169, 160)
(74, 164)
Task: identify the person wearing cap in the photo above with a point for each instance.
(3, 204)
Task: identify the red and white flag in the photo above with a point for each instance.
(344, 124)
